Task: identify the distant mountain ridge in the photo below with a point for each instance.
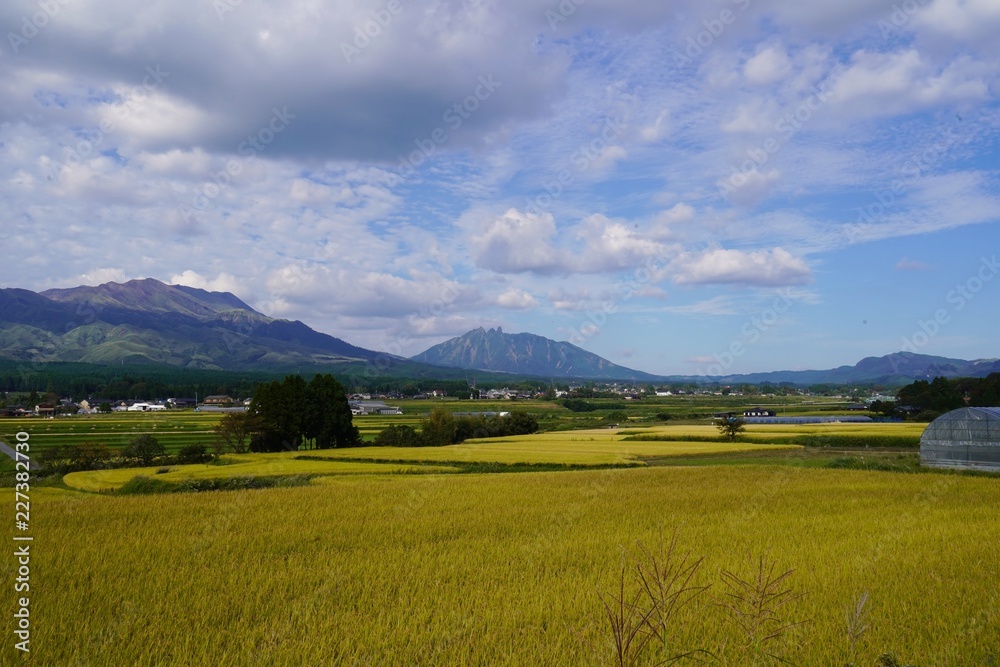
(897, 368)
(524, 354)
(150, 322)
(528, 354)
(147, 321)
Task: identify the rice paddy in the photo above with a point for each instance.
(367, 564)
(506, 569)
(245, 465)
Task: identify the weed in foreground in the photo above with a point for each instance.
(757, 606)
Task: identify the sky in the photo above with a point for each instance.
(688, 187)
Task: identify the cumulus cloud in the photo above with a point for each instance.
(882, 84)
(677, 214)
(297, 287)
(516, 242)
(752, 187)
(612, 245)
(517, 299)
(767, 66)
(962, 22)
(772, 268)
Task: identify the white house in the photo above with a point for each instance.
(145, 407)
(374, 408)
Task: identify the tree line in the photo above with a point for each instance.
(944, 394)
(295, 414)
(443, 428)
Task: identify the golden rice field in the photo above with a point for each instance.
(506, 569)
(596, 447)
(586, 447)
(256, 465)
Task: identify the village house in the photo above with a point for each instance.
(218, 399)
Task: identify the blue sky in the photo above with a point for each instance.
(731, 186)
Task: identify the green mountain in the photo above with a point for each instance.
(146, 321)
(895, 369)
(524, 354)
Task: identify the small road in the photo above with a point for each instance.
(6, 449)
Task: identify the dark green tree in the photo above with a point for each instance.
(235, 431)
(520, 423)
(292, 411)
(281, 407)
(399, 436)
(616, 417)
(89, 455)
(143, 449)
(883, 408)
(194, 453)
(327, 418)
(439, 428)
(730, 427)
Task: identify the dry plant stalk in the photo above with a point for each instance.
(663, 582)
(755, 605)
(627, 619)
(857, 625)
(667, 578)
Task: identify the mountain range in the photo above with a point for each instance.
(897, 368)
(147, 321)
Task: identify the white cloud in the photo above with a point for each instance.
(658, 130)
(517, 299)
(754, 117)
(516, 242)
(224, 282)
(564, 299)
(774, 267)
(611, 245)
(963, 22)
(884, 84)
(678, 213)
(753, 187)
(717, 305)
(299, 288)
(767, 66)
(101, 276)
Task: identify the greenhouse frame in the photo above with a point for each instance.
(967, 438)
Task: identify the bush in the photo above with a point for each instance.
(399, 436)
(143, 449)
(616, 417)
(193, 454)
(144, 485)
(439, 428)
